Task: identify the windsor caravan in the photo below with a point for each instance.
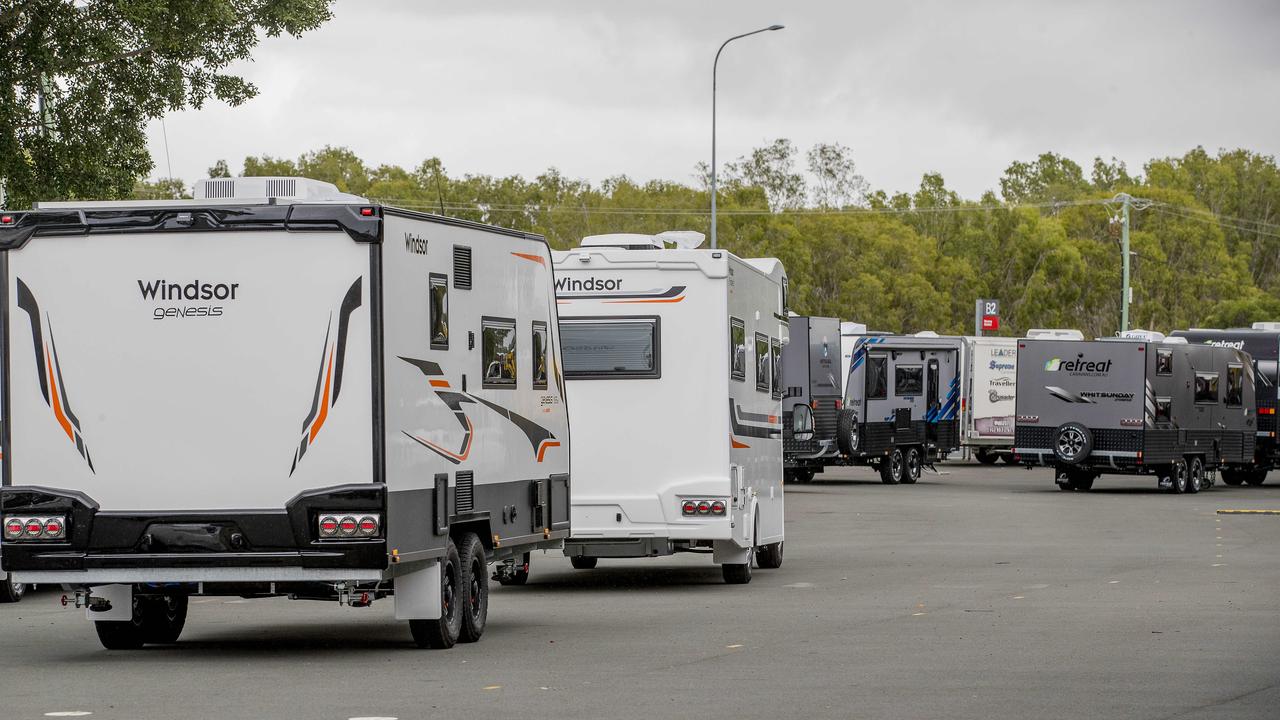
(1262, 342)
(902, 404)
(670, 361)
(172, 430)
(1139, 404)
(811, 386)
(988, 415)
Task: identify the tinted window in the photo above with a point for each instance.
(1164, 361)
(908, 380)
(776, 350)
(737, 349)
(1164, 409)
(764, 365)
(622, 348)
(540, 355)
(498, 352)
(1206, 387)
(1235, 385)
(439, 312)
(877, 377)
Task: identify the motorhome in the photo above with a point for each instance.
(671, 356)
(811, 385)
(1262, 342)
(902, 403)
(1137, 404)
(171, 430)
(989, 386)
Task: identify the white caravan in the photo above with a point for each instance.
(849, 334)
(670, 356)
(992, 378)
(171, 431)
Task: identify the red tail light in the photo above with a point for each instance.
(13, 528)
(368, 526)
(689, 507)
(839, 403)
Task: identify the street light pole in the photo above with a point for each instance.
(714, 67)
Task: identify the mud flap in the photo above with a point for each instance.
(418, 594)
(121, 599)
(729, 553)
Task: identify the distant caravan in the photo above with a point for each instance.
(1262, 342)
(902, 404)
(671, 363)
(811, 381)
(170, 431)
(1138, 405)
(990, 381)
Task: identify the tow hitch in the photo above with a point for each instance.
(86, 599)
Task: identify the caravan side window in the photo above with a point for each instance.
(611, 348)
(439, 311)
(737, 349)
(775, 348)
(877, 377)
(764, 364)
(498, 352)
(539, 355)
(1164, 361)
(1206, 388)
(1164, 409)
(908, 380)
(1235, 385)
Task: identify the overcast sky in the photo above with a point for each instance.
(604, 88)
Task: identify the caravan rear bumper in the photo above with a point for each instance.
(254, 542)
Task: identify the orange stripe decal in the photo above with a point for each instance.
(535, 258)
(324, 401)
(733, 441)
(53, 393)
(439, 383)
(631, 302)
(466, 450)
(542, 449)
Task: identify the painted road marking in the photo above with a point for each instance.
(1249, 512)
(68, 713)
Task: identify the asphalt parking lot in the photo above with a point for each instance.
(981, 593)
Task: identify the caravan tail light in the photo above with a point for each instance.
(839, 403)
(1266, 411)
(44, 527)
(703, 507)
(344, 525)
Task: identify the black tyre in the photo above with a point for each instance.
(124, 634)
(769, 556)
(163, 618)
(1195, 475)
(1081, 481)
(1178, 473)
(891, 468)
(1233, 477)
(986, 456)
(1007, 458)
(443, 633)
(519, 575)
(10, 591)
(914, 465)
(788, 476)
(475, 579)
(1257, 477)
(583, 562)
(735, 574)
(1073, 443)
(847, 437)
(804, 475)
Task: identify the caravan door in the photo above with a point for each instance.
(934, 407)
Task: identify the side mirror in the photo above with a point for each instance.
(802, 423)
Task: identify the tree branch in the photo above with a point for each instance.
(122, 56)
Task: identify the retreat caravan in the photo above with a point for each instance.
(1138, 404)
(671, 359)
(811, 385)
(171, 432)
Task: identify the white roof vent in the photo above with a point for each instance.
(684, 239)
(1272, 326)
(927, 333)
(1175, 341)
(287, 189)
(1054, 334)
(852, 328)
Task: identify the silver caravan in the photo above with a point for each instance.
(1134, 405)
(902, 403)
(170, 430)
(812, 381)
(991, 377)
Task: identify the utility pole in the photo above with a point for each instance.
(1126, 294)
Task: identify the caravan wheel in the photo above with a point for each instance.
(442, 633)
(1257, 477)
(891, 468)
(1178, 472)
(1195, 475)
(1232, 476)
(804, 475)
(735, 574)
(475, 579)
(163, 618)
(582, 562)
(10, 591)
(914, 466)
(986, 456)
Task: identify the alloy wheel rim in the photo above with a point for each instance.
(1070, 442)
